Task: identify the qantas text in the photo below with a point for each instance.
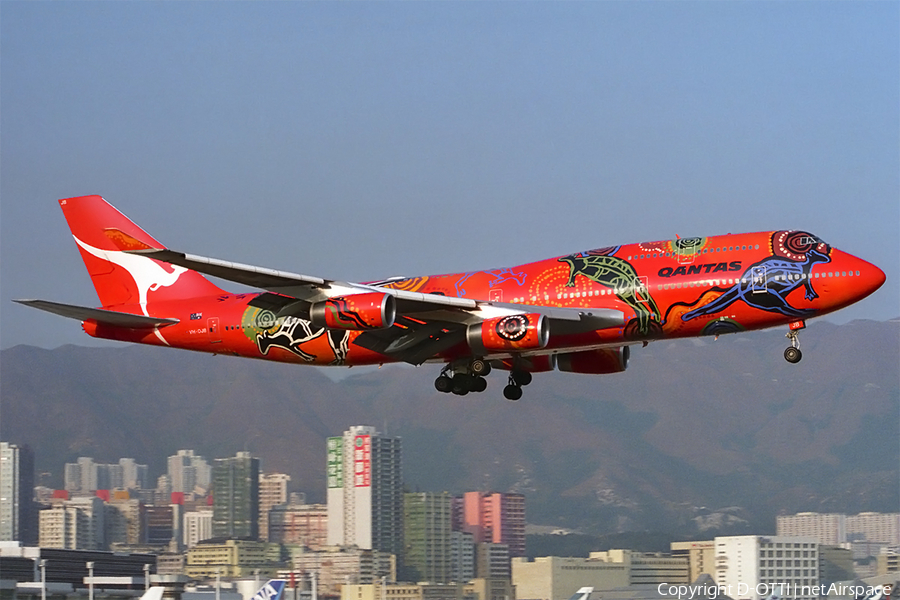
(697, 269)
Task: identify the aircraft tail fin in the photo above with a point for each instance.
(154, 593)
(583, 594)
(271, 590)
(103, 236)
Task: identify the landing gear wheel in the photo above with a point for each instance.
(461, 384)
(480, 367)
(512, 392)
(443, 384)
(479, 384)
(792, 355)
(521, 378)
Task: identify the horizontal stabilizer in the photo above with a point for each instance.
(108, 317)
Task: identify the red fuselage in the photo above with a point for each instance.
(666, 289)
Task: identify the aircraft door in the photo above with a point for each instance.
(212, 327)
(758, 278)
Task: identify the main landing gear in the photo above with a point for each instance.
(517, 379)
(464, 377)
(792, 353)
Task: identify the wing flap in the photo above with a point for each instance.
(109, 317)
(412, 341)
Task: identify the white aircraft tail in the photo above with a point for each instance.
(154, 593)
(777, 592)
(583, 594)
(271, 590)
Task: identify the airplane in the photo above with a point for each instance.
(153, 593)
(271, 590)
(578, 313)
(582, 594)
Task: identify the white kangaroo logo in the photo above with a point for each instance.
(148, 275)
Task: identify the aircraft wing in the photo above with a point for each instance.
(302, 287)
(111, 317)
(426, 324)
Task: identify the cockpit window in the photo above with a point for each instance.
(811, 240)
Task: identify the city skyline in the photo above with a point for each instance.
(666, 430)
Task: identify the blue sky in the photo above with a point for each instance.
(364, 140)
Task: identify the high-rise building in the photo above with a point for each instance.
(18, 514)
(197, 527)
(462, 556)
(82, 475)
(834, 529)
(76, 524)
(830, 529)
(124, 518)
(236, 497)
(701, 557)
(493, 517)
(273, 490)
(365, 491)
(427, 529)
(297, 523)
(72, 477)
(159, 525)
(134, 475)
(492, 561)
(188, 472)
(881, 528)
(87, 476)
(753, 566)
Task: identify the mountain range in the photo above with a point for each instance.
(697, 437)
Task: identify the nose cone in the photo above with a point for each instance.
(871, 276)
(866, 277)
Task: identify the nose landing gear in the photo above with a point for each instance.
(792, 353)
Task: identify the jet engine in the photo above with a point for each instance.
(509, 333)
(594, 362)
(357, 312)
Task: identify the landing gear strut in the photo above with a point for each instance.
(517, 379)
(792, 353)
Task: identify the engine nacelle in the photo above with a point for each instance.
(357, 312)
(594, 362)
(509, 333)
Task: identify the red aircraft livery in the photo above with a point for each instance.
(577, 313)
